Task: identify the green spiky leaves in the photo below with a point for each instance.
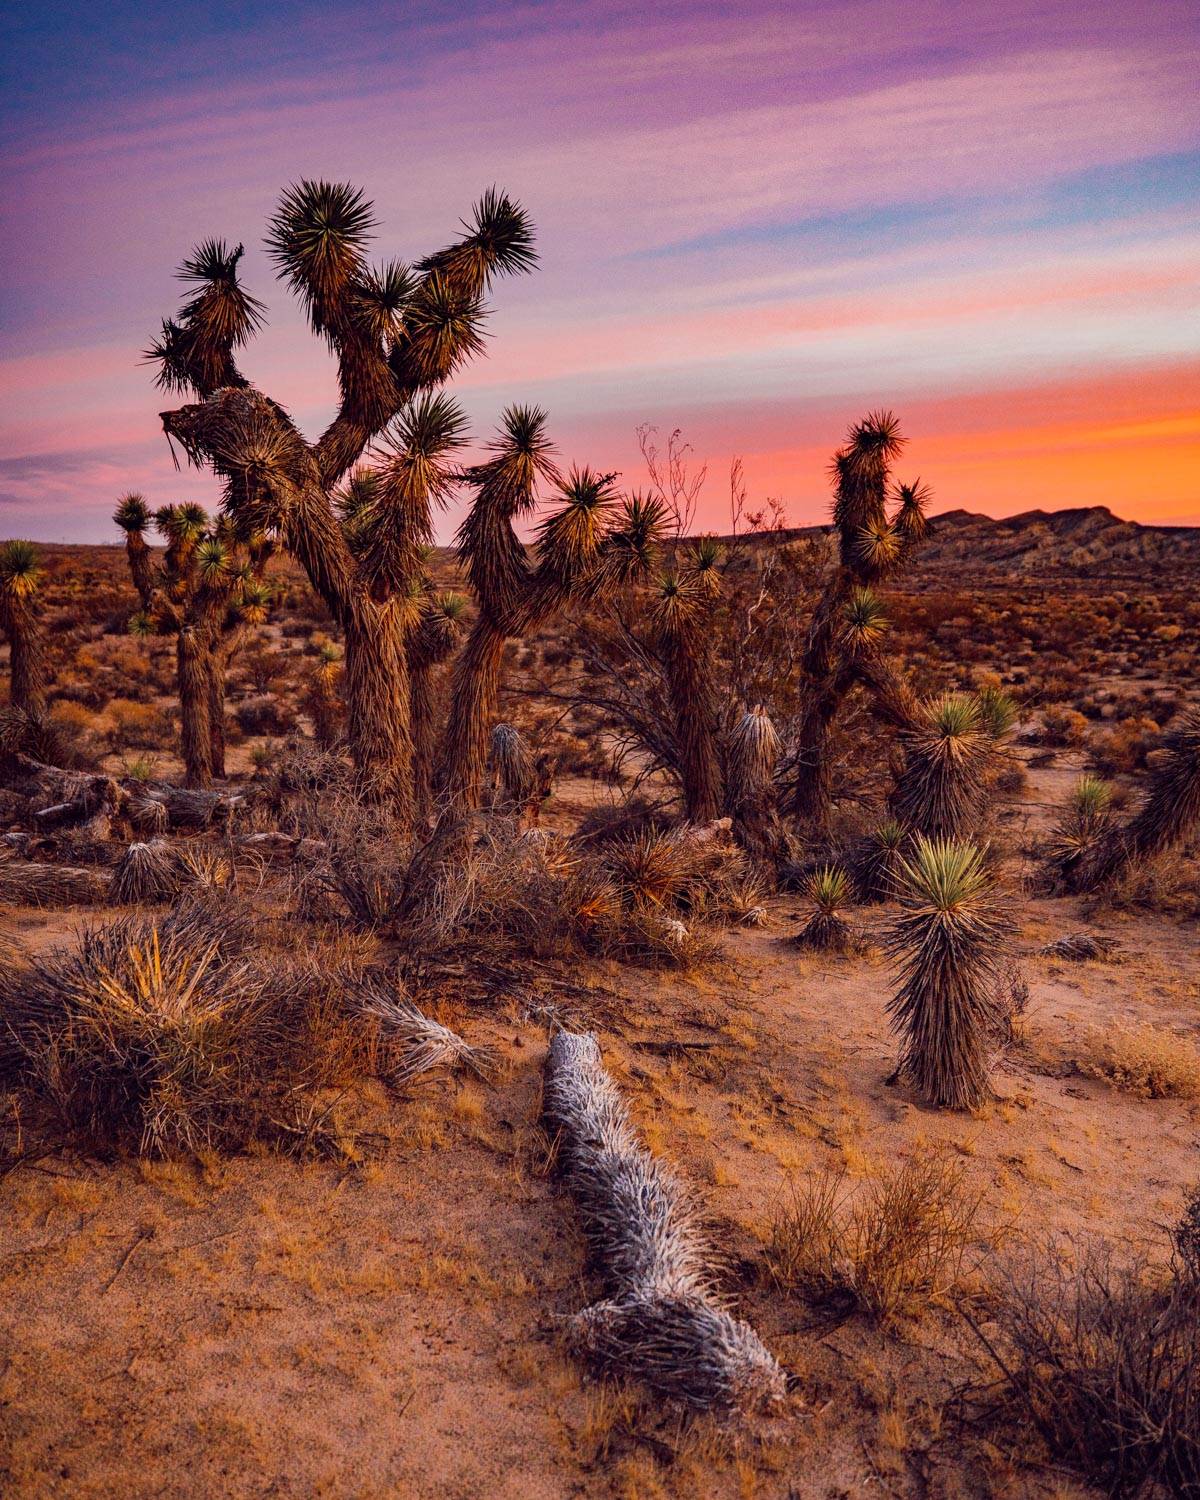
(498, 240)
(317, 239)
(941, 787)
(132, 513)
(195, 350)
(865, 620)
(20, 569)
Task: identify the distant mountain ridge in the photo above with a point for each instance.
(1088, 540)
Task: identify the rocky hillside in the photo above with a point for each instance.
(1090, 541)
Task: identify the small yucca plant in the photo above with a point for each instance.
(877, 859)
(829, 892)
(941, 786)
(20, 580)
(1081, 825)
(948, 944)
(997, 711)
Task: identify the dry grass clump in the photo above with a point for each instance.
(892, 1247)
(183, 1035)
(141, 1033)
(1103, 1360)
(1144, 1060)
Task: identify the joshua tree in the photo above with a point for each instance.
(847, 622)
(948, 944)
(396, 333)
(685, 650)
(589, 544)
(207, 592)
(1167, 816)
(20, 578)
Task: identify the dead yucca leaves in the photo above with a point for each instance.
(948, 941)
(414, 1043)
(145, 874)
(893, 1246)
(46, 885)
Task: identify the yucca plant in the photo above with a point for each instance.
(1079, 828)
(877, 859)
(684, 645)
(1167, 816)
(398, 334)
(827, 930)
(20, 619)
(208, 592)
(948, 943)
(940, 787)
(877, 526)
(585, 546)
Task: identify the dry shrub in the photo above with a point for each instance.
(891, 1247)
(1104, 1361)
(1168, 884)
(1145, 1060)
(185, 1034)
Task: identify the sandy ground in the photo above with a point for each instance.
(262, 1327)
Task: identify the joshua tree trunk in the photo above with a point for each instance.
(424, 735)
(27, 659)
(216, 715)
(377, 692)
(689, 683)
(475, 689)
(194, 700)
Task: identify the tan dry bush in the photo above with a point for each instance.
(894, 1246)
(1145, 1060)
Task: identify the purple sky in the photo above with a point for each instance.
(754, 221)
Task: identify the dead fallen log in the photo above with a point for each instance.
(661, 1318)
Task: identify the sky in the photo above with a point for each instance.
(755, 221)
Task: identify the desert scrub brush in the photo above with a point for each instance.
(661, 1317)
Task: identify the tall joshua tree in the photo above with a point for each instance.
(207, 592)
(948, 943)
(589, 543)
(20, 578)
(396, 332)
(873, 542)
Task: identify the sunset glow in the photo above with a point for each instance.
(754, 223)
